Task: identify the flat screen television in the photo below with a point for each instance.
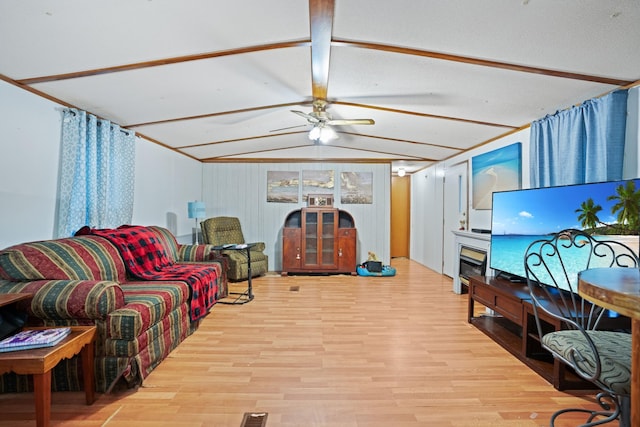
(519, 217)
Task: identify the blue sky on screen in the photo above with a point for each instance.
(548, 210)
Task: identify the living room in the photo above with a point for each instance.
(35, 200)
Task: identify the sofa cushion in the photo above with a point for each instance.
(146, 303)
(82, 301)
(168, 242)
(140, 248)
(173, 328)
(76, 258)
(184, 253)
(146, 259)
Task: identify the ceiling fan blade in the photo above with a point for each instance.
(347, 122)
(309, 117)
(290, 127)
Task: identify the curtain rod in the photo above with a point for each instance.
(99, 122)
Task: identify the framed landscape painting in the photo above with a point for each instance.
(283, 186)
(497, 170)
(317, 182)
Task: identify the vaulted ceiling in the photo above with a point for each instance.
(218, 80)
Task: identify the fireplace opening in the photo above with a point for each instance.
(473, 262)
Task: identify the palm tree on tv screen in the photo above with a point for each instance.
(626, 209)
(589, 214)
(627, 202)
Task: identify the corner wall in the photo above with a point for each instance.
(30, 144)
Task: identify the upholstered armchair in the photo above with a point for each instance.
(225, 230)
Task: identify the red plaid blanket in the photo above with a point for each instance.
(147, 259)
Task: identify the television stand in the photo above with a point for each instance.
(514, 328)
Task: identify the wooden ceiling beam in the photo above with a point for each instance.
(164, 61)
(321, 21)
(416, 113)
(481, 62)
(219, 113)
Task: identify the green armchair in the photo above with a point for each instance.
(225, 230)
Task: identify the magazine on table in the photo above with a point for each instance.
(34, 338)
(235, 246)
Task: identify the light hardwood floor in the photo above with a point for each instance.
(340, 351)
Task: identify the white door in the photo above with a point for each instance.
(455, 209)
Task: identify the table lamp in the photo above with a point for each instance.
(196, 210)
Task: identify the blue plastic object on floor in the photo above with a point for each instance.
(387, 270)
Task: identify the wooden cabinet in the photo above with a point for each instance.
(319, 240)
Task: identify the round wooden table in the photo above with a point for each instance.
(618, 289)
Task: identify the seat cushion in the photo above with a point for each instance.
(239, 265)
(145, 305)
(614, 349)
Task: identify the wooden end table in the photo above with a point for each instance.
(40, 361)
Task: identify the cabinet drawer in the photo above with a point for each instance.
(509, 308)
(484, 296)
(346, 232)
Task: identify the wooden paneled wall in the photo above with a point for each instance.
(240, 189)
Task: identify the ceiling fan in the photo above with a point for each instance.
(322, 122)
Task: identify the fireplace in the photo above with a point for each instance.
(472, 262)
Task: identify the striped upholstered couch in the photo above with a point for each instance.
(82, 280)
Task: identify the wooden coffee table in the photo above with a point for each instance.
(40, 361)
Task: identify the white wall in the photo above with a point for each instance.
(30, 138)
(240, 190)
(30, 145)
(427, 217)
(165, 182)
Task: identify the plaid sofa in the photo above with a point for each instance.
(82, 280)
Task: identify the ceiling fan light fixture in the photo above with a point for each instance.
(327, 134)
(322, 134)
(314, 133)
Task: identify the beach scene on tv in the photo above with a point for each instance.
(605, 210)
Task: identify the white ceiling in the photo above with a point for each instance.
(214, 79)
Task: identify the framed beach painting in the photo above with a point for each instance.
(283, 186)
(317, 182)
(497, 170)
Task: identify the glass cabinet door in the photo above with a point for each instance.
(328, 238)
(311, 238)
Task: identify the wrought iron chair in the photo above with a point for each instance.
(602, 357)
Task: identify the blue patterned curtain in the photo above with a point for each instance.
(96, 173)
(579, 145)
